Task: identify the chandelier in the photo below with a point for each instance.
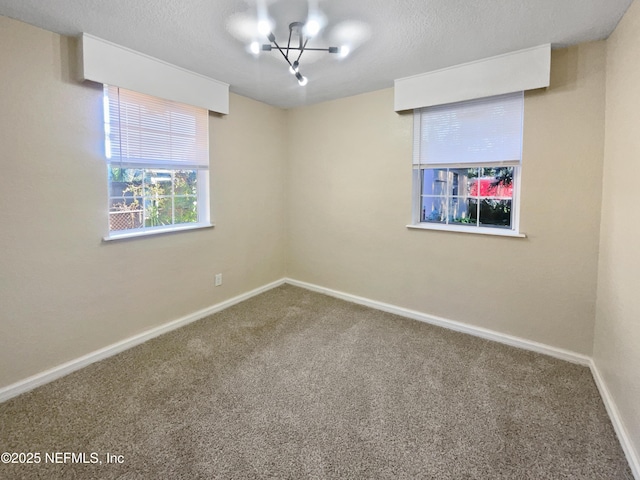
(299, 35)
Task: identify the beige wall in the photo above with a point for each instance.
(617, 332)
(349, 184)
(64, 293)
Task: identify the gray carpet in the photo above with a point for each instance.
(293, 384)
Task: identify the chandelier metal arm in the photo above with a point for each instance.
(302, 48)
(286, 57)
(311, 49)
(289, 43)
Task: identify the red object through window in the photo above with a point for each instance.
(487, 187)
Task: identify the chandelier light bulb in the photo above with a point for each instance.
(344, 51)
(312, 28)
(264, 27)
(302, 81)
(254, 48)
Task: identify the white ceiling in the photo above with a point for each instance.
(390, 38)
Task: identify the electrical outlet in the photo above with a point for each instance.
(218, 279)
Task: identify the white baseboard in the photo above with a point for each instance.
(54, 373)
(523, 343)
(625, 441)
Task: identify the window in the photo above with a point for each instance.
(158, 162)
(467, 159)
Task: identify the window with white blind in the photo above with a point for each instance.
(158, 162)
(466, 162)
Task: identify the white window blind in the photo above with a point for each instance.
(142, 130)
(487, 131)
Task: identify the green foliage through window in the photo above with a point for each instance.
(151, 197)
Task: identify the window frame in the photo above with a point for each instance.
(513, 231)
(202, 184)
(201, 198)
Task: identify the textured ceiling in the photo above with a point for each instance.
(389, 38)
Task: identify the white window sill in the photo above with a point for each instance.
(477, 230)
(155, 231)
